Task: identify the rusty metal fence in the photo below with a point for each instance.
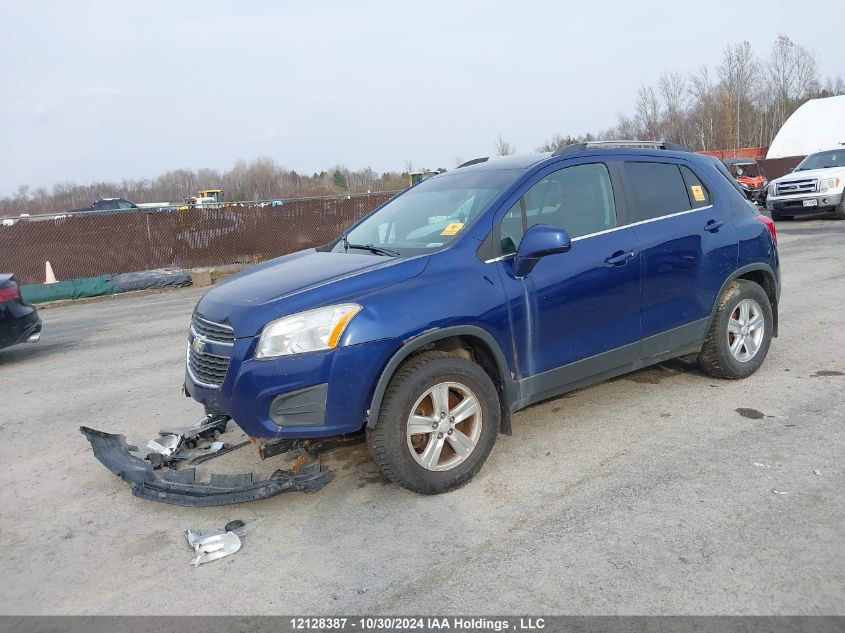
(118, 242)
(777, 167)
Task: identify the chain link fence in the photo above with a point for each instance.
(92, 244)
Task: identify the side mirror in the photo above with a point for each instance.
(540, 240)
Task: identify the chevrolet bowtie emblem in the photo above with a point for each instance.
(198, 345)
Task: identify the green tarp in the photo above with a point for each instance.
(74, 289)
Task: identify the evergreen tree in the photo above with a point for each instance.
(338, 179)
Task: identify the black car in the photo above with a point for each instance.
(107, 204)
(19, 321)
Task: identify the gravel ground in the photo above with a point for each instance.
(649, 494)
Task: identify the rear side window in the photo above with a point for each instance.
(720, 167)
(697, 192)
(658, 189)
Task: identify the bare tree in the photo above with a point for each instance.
(626, 128)
(792, 77)
(737, 75)
(673, 91)
(262, 179)
(503, 148)
(647, 113)
(557, 141)
(702, 113)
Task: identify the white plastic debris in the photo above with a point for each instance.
(761, 465)
(817, 472)
(213, 544)
(779, 492)
(209, 548)
(165, 444)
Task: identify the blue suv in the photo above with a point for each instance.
(483, 290)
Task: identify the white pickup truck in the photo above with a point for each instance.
(816, 184)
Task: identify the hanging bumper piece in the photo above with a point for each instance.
(180, 486)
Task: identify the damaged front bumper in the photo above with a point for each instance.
(180, 486)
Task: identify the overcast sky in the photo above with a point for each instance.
(94, 91)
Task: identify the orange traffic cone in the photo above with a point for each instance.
(49, 276)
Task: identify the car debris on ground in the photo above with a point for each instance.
(167, 473)
(212, 545)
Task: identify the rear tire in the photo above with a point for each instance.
(740, 332)
(453, 404)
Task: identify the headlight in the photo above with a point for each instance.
(743, 185)
(828, 183)
(309, 331)
(772, 189)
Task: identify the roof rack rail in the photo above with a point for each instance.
(580, 147)
(474, 161)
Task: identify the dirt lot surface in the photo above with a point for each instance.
(651, 493)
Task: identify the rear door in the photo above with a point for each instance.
(687, 245)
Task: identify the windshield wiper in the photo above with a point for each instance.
(376, 250)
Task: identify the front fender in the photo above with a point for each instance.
(509, 386)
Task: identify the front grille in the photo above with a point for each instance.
(212, 331)
(207, 368)
(790, 187)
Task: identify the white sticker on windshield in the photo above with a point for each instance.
(433, 244)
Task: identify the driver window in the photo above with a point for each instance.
(578, 199)
(513, 228)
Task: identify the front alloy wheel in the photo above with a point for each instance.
(444, 426)
(437, 423)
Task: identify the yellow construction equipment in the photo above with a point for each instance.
(205, 198)
(418, 176)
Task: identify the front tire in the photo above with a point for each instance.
(438, 422)
(740, 332)
(777, 216)
(839, 209)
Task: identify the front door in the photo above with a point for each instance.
(577, 314)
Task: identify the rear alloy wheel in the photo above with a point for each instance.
(746, 328)
(740, 332)
(438, 422)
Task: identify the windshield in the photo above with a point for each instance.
(431, 215)
(750, 170)
(820, 160)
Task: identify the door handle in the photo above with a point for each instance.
(713, 225)
(619, 258)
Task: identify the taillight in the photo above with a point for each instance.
(770, 224)
(9, 293)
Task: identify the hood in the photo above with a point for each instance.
(755, 182)
(827, 172)
(300, 281)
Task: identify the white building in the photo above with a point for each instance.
(817, 125)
